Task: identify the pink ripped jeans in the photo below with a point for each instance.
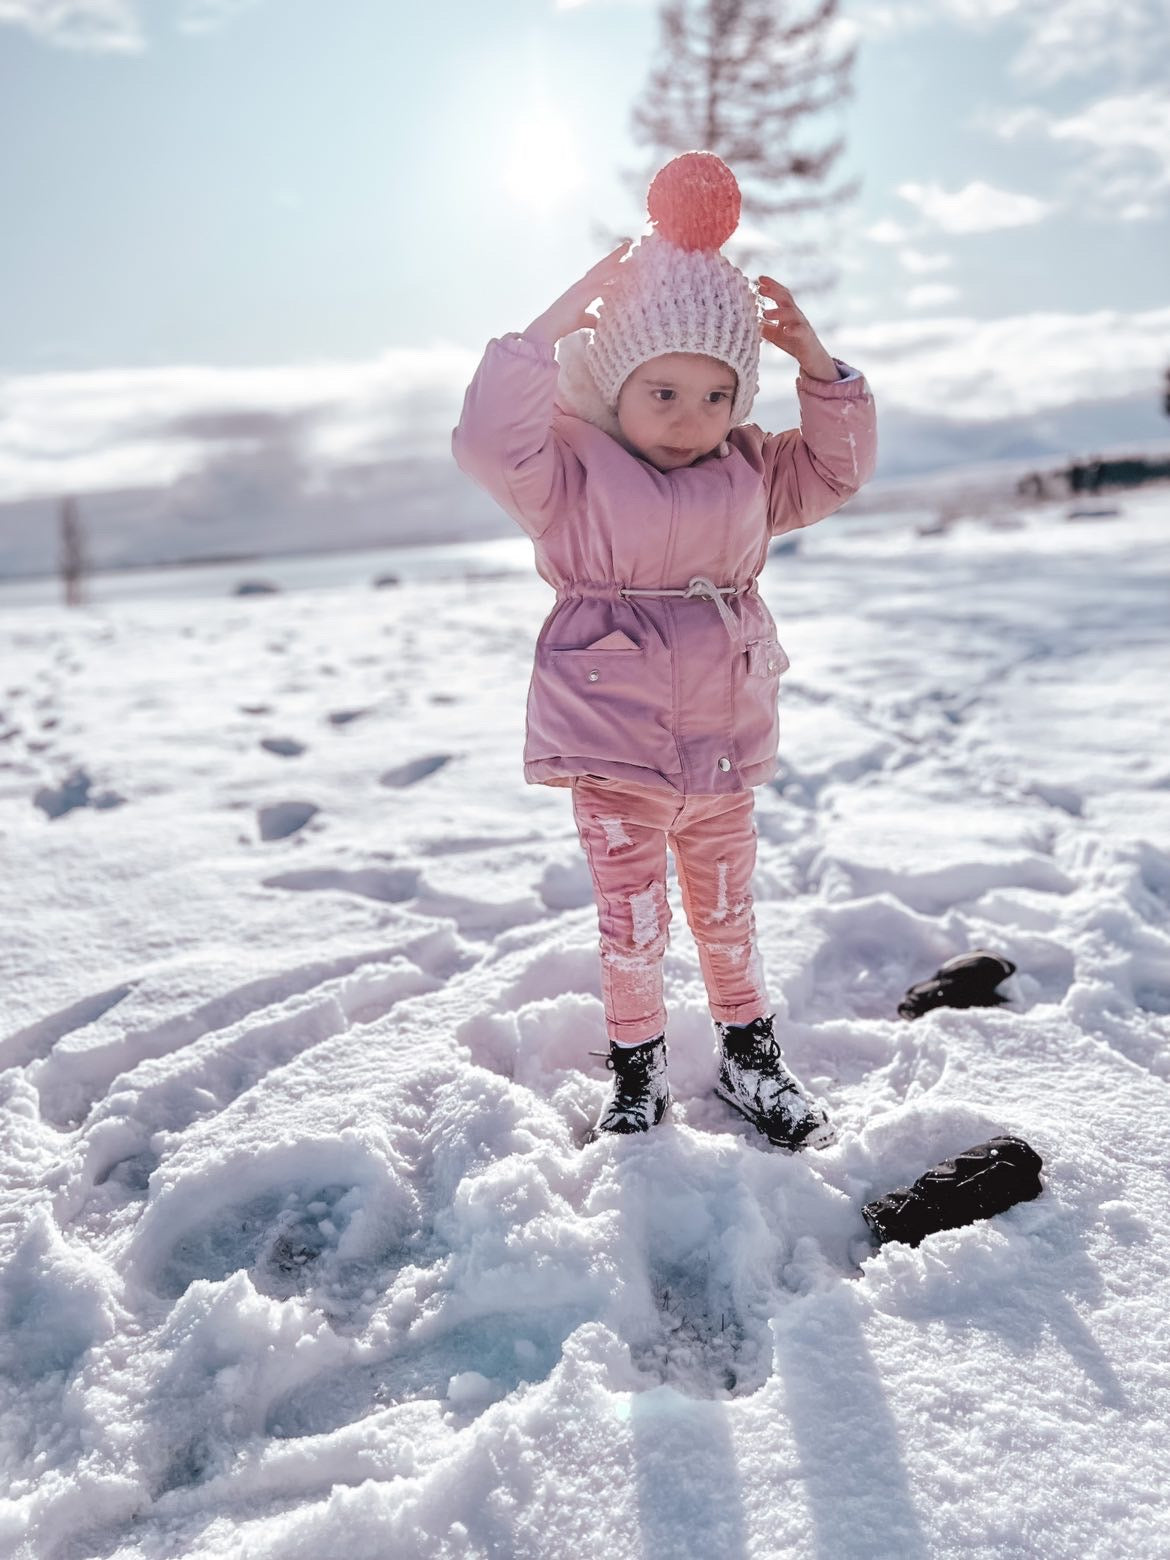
(624, 830)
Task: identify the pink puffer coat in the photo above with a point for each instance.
(659, 662)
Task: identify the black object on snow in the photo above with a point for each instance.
(975, 1184)
(641, 1094)
(969, 980)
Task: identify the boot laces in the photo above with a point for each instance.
(755, 1046)
(630, 1075)
(765, 1056)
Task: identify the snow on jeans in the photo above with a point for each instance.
(624, 830)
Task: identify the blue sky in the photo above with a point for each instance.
(273, 206)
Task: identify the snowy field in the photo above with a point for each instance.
(302, 1257)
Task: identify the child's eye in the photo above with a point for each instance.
(720, 395)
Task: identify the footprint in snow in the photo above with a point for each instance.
(76, 790)
(38, 1039)
(388, 885)
(283, 747)
(417, 769)
(701, 1345)
(284, 818)
(469, 1366)
(286, 1241)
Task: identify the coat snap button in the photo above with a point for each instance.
(725, 763)
(594, 675)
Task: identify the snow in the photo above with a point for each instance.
(302, 1254)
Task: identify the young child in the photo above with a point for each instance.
(651, 501)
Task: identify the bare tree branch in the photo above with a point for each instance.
(740, 78)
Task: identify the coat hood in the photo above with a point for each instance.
(577, 393)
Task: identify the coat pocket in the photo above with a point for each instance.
(612, 703)
(757, 715)
(615, 641)
(766, 658)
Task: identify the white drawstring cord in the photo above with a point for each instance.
(700, 586)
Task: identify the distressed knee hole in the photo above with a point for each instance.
(737, 953)
(648, 925)
(616, 837)
(722, 911)
(644, 911)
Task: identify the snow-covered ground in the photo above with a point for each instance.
(302, 1256)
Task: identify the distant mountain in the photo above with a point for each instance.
(911, 444)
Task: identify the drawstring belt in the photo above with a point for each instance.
(701, 586)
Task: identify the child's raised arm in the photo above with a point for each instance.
(812, 470)
(503, 439)
(570, 312)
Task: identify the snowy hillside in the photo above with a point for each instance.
(302, 1257)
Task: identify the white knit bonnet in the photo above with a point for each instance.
(674, 293)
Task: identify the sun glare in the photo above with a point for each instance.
(542, 166)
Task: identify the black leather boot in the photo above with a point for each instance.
(640, 1095)
(754, 1081)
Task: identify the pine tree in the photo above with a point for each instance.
(740, 78)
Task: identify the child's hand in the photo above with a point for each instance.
(786, 327)
(570, 311)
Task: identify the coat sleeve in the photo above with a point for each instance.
(504, 440)
(813, 469)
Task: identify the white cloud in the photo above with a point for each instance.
(918, 264)
(931, 295)
(883, 18)
(203, 16)
(1057, 38)
(976, 370)
(886, 232)
(1127, 136)
(1118, 126)
(977, 208)
(101, 26)
(1010, 123)
(109, 26)
(1089, 37)
(749, 237)
(114, 428)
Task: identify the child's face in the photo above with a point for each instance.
(676, 408)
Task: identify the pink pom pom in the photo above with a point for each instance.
(694, 201)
